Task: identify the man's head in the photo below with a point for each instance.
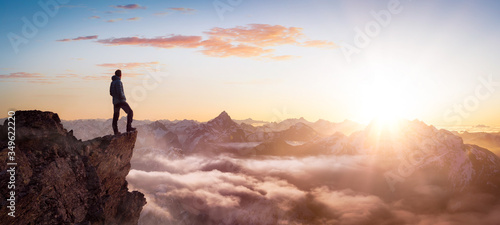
(118, 73)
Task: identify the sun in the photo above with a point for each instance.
(385, 100)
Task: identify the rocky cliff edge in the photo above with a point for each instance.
(61, 180)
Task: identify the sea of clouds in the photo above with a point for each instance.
(226, 189)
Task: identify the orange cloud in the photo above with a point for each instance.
(253, 40)
(129, 6)
(259, 34)
(94, 17)
(217, 47)
(134, 18)
(159, 42)
(79, 38)
(283, 57)
(319, 44)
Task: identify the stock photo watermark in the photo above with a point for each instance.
(280, 115)
(373, 28)
(149, 83)
(417, 157)
(31, 26)
(224, 6)
(11, 162)
(460, 111)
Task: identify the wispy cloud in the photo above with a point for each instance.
(121, 19)
(44, 79)
(159, 42)
(26, 77)
(134, 18)
(20, 75)
(283, 57)
(71, 6)
(129, 6)
(259, 34)
(319, 44)
(183, 10)
(79, 38)
(67, 75)
(96, 77)
(131, 69)
(114, 20)
(115, 12)
(256, 82)
(176, 9)
(94, 17)
(161, 13)
(254, 40)
(218, 47)
(133, 65)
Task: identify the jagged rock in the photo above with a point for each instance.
(61, 180)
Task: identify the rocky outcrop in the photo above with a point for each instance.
(62, 180)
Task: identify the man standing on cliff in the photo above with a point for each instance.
(119, 102)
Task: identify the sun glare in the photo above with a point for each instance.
(386, 101)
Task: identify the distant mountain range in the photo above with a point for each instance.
(406, 146)
(220, 133)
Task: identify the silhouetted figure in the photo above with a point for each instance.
(119, 102)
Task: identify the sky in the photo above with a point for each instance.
(436, 61)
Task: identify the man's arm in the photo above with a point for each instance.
(122, 94)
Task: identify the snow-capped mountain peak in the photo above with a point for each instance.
(223, 121)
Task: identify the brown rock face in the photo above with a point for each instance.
(62, 180)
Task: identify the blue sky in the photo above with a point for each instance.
(430, 57)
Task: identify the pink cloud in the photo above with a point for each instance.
(253, 40)
(114, 20)
(159, 42)
(27, 77)
(67, 75)
(79, 38)
(20, 75)
(134, 18)
(129, 6)
(92, 77)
